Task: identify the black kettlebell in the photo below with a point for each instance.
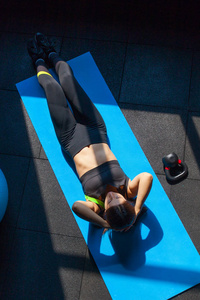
(175, 169)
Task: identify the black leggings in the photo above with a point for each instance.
(84, 126)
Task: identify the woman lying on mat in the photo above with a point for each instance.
(82, 134)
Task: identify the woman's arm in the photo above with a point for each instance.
(140, 186)
(89, 212)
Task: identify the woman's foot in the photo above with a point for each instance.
(48, 48)
(36, 53)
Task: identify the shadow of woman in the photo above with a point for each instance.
(127, 249)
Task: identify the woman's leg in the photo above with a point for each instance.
(84, 110)
(61, 115)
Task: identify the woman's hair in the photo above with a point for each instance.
(120, 216)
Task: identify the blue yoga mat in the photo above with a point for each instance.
(156, 259)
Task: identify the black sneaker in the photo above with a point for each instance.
(35, 51)
(44, 43)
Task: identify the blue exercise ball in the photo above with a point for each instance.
(3, 195)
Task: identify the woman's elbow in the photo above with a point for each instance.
(75, 207)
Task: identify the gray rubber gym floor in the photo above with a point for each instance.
(149, 55)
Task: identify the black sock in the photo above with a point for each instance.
(40, 62)
(54, 58)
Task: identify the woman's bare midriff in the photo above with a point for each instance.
(91, 157)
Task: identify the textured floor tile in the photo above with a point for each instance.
(6, 238)
(15, 170)
(93, 286)
(194, 102)
(15, 62)
(109, 57)
(42, 154)
(44, 266)
(185, 199)
(156, 76)
(102, 20)
(44, 207)
(159, 131)
(99, 21)
(98, 30)
(47, 16)
(165, 23)
(16, 65)
(17, 134)
(167, 37)
(192, 149)
(166, 14)
(73, 18)
(191, 294)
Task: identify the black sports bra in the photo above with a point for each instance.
(95, 181)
